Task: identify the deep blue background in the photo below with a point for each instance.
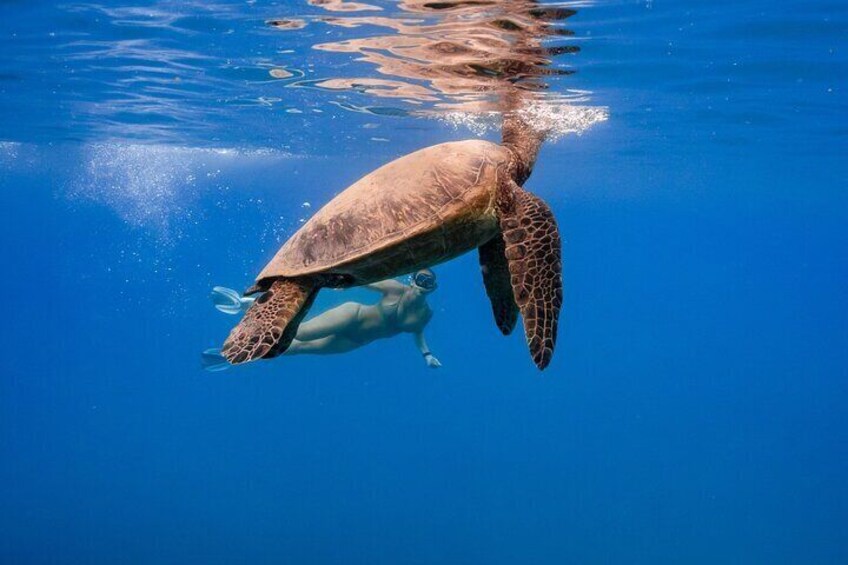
(695, 411)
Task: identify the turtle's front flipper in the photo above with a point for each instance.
(497, 281)
(533, 251)
(269, 326)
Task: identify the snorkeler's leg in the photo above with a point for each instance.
(322, 346)
(333, 321)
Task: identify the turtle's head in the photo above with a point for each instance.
(424, 281)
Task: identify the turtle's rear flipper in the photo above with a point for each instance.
(269, 326)
(533, 251)
(497, 281)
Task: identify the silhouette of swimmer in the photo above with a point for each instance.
(401, 309)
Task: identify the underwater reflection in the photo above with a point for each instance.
(454, 56)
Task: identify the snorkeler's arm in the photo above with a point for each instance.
(429, 358)
(389, 286)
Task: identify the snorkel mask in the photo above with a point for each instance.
(425, 280)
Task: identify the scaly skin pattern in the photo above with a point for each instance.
(534, 254)
(269, 326)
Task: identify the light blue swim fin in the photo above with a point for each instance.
(230, 301)
(213, 361)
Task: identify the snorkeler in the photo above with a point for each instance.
(401, 309)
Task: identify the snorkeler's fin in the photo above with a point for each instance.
(229, 301)
(269, 326)
(534, 254)
(211, 360)
(496, 279)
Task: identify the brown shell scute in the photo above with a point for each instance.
(411, 196)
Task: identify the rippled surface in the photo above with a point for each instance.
(245, 73)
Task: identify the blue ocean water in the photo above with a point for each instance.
(694, 412)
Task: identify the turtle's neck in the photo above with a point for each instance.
(524, 142)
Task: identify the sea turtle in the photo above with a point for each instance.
(416, 211)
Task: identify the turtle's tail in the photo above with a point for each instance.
(269, 326)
